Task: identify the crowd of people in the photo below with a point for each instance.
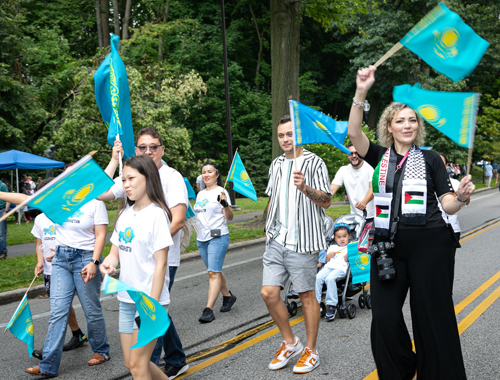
(410, 195)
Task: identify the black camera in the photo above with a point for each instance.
(385, 264)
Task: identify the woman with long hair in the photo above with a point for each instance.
(141, 239)
(418, 247)
(212, 209)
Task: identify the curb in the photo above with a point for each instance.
(38, 290)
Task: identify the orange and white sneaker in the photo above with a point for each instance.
(307, 362)
(285, 353)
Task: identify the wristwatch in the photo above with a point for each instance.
(96, 262)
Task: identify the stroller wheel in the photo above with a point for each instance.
(322, 309)
(343, 311)
(351, 311)
(361, 301)
(292, 308)
(369, 301)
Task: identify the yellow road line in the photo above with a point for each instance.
(234, 350)
(479, 232)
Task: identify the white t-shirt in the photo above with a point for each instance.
(138, 235)
(209, 213)
(288, 233)
(79, 231)
(338, 261)
(357, 184)
(451, 219)
(199, 181)
(175, 192)
(45, 230)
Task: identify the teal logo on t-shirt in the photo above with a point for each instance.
(77, 214)
(127, 236)
(202, 203)
(50, 231)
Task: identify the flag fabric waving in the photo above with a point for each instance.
(21, 325)
(311, 126)
(359, 263)
(113, 98)
(154, 318)
(452, 113)
(190, 190)
(240, 179)
(70, 190)
(446, 43)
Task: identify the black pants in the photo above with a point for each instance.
(424, 262)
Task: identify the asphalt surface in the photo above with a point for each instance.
(343, 344)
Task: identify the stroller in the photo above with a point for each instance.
(345, 287)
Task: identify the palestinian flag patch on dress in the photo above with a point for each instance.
(414, 197)
(382, 210)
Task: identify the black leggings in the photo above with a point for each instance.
(424, 262)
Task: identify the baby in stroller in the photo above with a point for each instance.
(335, 268)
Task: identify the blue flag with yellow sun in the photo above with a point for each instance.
(72, 189)
(112, 95)
(21, 325)
(311, 126)
(359, 263)
(452, 113)
(446, 43)
(240, 179)
(154, 318)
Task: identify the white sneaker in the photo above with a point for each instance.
(285, 353)
(307, 362)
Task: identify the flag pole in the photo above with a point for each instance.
(194, 226)
(120, 164)
(34, 278)
(22, 204)
(387, 55)
(469, 160)
(232, 163)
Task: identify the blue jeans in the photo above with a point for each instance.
(329, 277)
(3, 235)
(174, 354)
(65, 280)
(213, 252)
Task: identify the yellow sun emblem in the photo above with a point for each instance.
(432, 114)
(445, 42)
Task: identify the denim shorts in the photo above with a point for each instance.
(281, 263)
(213, 252)
(128, 313)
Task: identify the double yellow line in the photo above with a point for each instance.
(462, 326)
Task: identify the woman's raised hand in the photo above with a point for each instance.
(466, 188)
(365, 78)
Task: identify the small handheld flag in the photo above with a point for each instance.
(112, 95)
(446, 43)
(70, 190)
(452, 113)
(311, 126)
(21, 325)
(240, 179)
(359, 263)
(154, 318)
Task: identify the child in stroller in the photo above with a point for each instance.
(334, 269)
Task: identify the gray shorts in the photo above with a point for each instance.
(281, 263)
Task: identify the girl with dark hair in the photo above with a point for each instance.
(140, 245)
(213, 209)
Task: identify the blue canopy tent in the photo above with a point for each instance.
(14, 159)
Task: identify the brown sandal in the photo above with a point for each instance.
(100, 359)
(36, 371)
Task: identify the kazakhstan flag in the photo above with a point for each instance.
(446, 43)
(452, 113)
(154, 317)
(311, 126)
(113, 98)
(359, 263)
(21, 325)
(69, 191)
(240, 179)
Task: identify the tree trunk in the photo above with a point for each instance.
(160, 39)
(116, 16)
(259, 55)
(285, 54)
(105, 22)
(126, 20)
(98, 19)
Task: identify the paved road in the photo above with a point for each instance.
(343, 344)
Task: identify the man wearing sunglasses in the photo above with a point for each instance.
(149, 142)
(357, 179)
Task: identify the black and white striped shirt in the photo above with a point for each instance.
(309, 217)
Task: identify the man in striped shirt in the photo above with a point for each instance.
(299, 192)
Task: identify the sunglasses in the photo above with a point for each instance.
(152, 148)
